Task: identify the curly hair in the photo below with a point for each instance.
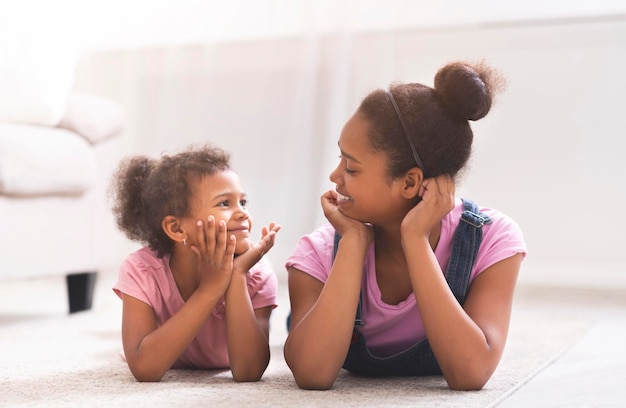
(146, 190)
(437, 119)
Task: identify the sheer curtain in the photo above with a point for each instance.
(548, 154)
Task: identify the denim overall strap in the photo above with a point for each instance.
(467, 238)
(419, 359)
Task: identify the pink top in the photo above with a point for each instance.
(148, 278)
(390, 329)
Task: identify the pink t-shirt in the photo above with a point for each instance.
(148, 278)
(390, 329)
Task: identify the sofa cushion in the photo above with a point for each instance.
(94, 117)
(38, 160)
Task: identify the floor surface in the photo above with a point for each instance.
(589, 374)
(593, 371)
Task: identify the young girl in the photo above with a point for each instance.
(199, 295)
(406, 279)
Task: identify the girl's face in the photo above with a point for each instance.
(221, 196)
(366, 192)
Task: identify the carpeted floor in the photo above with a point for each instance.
(73, 361)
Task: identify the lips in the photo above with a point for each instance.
(238, 229)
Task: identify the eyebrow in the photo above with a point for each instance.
(229, 194)
(346, 155)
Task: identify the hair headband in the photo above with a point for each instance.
(416, 156)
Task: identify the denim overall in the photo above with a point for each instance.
(419, 359)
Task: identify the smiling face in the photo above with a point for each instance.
(221, 196)
(366, 192)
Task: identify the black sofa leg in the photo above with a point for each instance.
(80, 289)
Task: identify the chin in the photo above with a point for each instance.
(242, 246)
(353, 216)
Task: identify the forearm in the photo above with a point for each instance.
(318, 341)
(159, 350)
(460, 345)
(247, 339)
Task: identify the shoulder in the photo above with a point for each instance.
(143, 260)
(502, 238)
(319, 241)
(500, 226)
(140, 273)
(313, 252)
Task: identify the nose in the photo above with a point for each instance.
(242, 213)
(335, 175)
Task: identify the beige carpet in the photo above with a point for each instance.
(73, 361)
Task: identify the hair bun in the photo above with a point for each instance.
(466, 90)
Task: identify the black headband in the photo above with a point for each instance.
(416, 156)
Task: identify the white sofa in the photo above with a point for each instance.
(50, 194)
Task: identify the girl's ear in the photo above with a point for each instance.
(173, 228)
(411, 183)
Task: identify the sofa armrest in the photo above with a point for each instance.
(40, 160)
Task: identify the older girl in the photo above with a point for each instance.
(405, 279)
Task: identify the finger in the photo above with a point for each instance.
(222, 238)
(422, 190)
(209, 234)
(265, 243)
(195, 249)
(230, 247)
(451, 185)
(330, 196)
(272, 227)
(441, 185)
(200, 238)
(268, 241)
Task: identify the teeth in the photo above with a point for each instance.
(343, 197)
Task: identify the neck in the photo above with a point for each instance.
(183, 267)
(389, 239)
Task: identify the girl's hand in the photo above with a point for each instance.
(341, 222)
(437, 200)
(215, 251)
(255, 252)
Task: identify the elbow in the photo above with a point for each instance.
(249, 372)
(466, 384)
(310, 372)
(143, 371)
(146, 375)
(468, 379)
(312, 378)
(247, 375)
(314, 382)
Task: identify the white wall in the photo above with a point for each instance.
(107, 24)
(548, 154)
